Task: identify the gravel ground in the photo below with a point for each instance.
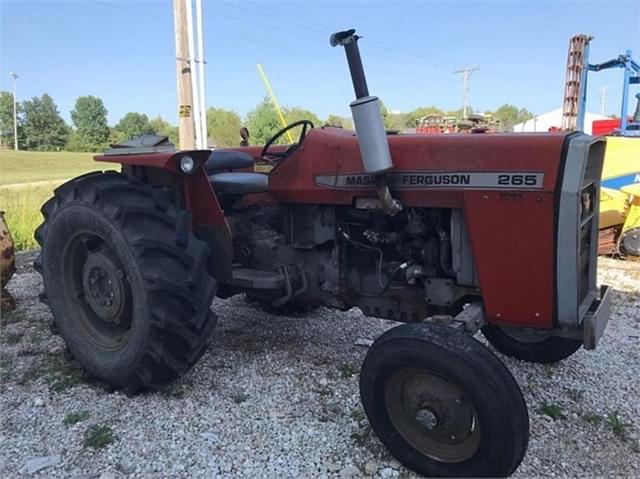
(278, 397)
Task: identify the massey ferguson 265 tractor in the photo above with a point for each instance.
(450, 234)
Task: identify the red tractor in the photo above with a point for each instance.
(450, 234)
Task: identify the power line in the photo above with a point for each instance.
(466, 75)
(287, 19)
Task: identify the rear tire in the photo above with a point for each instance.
(530, 345)
(126, 280)
(443, 404)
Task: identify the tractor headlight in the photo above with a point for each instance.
(187, 164)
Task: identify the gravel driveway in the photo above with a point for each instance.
(278, 397)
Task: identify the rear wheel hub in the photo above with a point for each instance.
(98, 291)
(103, 286)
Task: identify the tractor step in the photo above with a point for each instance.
(246, 278)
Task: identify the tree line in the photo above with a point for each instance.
(41, 127)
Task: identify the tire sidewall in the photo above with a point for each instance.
(495, 451)
(78, 217)
(548, 350)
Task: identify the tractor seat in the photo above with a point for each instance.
(224, 160)
(239, 184)
(230, 183)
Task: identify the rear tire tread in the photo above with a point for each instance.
(181, 320)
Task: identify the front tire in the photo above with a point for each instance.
(530, 345)
(126, 280)
(443, 404)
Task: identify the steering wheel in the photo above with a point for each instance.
(306, 124)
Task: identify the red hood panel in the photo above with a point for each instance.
(328, 152)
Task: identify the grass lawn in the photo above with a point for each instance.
(32, 177)
(29, 166)
(22, 211)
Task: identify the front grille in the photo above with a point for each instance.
(587, 238)
(577, 229)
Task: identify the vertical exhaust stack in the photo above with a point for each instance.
(367, 119)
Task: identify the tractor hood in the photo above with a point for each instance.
(330, 160)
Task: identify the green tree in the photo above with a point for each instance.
(459, 112)
(387, 119)
(398, 121)
(262, 122)
(75, 142)
(90, 121)
(339, 121)
(413, 117)
(296, 113)
(161, 127)
(510, 115)
(44, 128)
(6, 119)
(223, 127)
(132, 125)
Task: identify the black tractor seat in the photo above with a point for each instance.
(238, 183)
(225, 160)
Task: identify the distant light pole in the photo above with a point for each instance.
(14, 76)
(603, 99)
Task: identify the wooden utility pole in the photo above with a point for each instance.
(183, 71)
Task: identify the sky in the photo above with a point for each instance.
(124, 52)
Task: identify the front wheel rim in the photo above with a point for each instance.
(432, 414)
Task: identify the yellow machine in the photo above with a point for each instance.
(620, 197)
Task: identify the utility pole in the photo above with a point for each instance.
(197, 117)
(603, 99)
(466, 74)
(183, 71)
(201, 85)
(14, 76)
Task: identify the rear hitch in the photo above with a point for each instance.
(367, 119)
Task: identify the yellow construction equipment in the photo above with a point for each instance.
(620, 197)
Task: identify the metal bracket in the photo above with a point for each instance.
(596, 319)
(290, 292)
(445, 291)
(469, 320)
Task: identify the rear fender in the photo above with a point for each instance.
(208, 224)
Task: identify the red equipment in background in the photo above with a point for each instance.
(605, 127)
(475, 123)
